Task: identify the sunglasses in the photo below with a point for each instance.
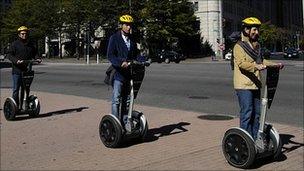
(23, 33)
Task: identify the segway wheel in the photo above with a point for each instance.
(238, 148)
(34, 105)
(10, 109)
(276, 144)
(110, 131)
(278, 150)
(142, 125)
(143, 129)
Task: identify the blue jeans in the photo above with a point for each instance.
(250, 104)
(17, 83)
(120, 98)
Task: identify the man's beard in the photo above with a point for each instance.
(125, 33)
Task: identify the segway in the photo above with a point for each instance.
(30, 104)
(114, 131)
(239, 148)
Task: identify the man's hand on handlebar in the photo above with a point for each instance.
(260, 66)
(39, 60)
(124, 65)
(280, 65)
(19, 62)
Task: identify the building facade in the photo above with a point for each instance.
(209, 14)
(219, 18)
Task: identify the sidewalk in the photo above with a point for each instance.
(66, 137)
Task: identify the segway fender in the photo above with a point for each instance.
(275, 133)
(12, 100)
(116, 119)
(144, 120)
(36, 101)
(243, 130)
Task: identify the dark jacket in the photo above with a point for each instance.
(118, 52)
(21, 51)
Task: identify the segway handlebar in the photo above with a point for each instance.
(279, 65)
(134, 62)
(31, 61)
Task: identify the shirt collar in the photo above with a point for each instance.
(126, 38)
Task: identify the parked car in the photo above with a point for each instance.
(291, 53)
(168, 56)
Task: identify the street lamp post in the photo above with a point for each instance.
(130, 3)
(87, 38)
(298, 40)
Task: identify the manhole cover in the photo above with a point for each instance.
(215, 117)
(199, 97)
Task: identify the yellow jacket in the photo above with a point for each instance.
(245, 75)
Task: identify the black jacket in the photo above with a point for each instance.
(21, 51)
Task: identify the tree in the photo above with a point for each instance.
(158, 24)
(41, 16)
(76, 14)
(272, 36)
(268, 34)
(168, 23)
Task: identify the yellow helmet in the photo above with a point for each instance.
(126, 19)
(251, 21)
(22, 28)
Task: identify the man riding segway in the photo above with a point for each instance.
(21, 54)
(129, 68)
(255, 138)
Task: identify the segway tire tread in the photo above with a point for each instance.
(238, 148)
(110, 132)
(9, 109)
(36, 110)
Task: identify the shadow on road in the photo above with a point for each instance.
(286, 141)
(58, 112)
(154, 133)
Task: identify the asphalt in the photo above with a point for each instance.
(65, 136)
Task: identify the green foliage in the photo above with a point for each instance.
(41, 16)
(270, 34)
(167, 22)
